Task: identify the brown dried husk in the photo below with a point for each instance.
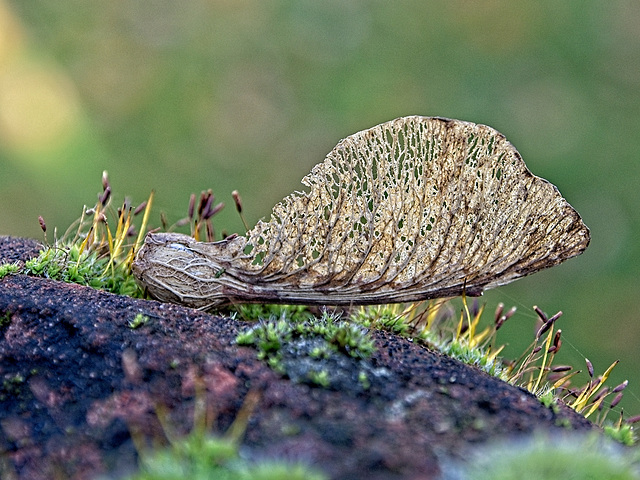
(412, 209)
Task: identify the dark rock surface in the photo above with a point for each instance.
(76, 380)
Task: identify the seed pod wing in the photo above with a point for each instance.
(417, 207)
(411, 209)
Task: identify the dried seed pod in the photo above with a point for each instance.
(632, 420)
(561, 368)
(207, 205)
(211, 211)
(237, 200)
(192, 205)
(547, 325)
(543, 316)
(616, 400)
(621, 387)
(105, 180)
(103, 198)
(140, 208)
(589, 367)
(557, 342)
(411, 209)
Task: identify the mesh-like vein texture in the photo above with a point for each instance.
(411, 209)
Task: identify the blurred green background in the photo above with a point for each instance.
(250, 94)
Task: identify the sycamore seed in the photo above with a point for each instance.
(416, 208)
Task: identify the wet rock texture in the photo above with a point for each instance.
(76, 381)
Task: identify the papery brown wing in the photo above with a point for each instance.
(411, 209)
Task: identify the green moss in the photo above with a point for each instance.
(9, 269)
(549, 400)
(465, 353)
(12, 386)
(622, 433)
(384, 317)
(471, 339)
(569, 457)
(363, 379)
(69, 264)
(320, 378)
(12, 381)
(138, 321)
(401, 321)
(5, 319)
(287, 344)
(270, 335)
(202, 457)
(564, 423)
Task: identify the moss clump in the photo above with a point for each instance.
(202, 457)
(138, 321)
(430, 324)
(9, 269)
(391, 318)
(308, 350)
(270, 335)
(569, 457)
(69, 264)
(622, 433)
